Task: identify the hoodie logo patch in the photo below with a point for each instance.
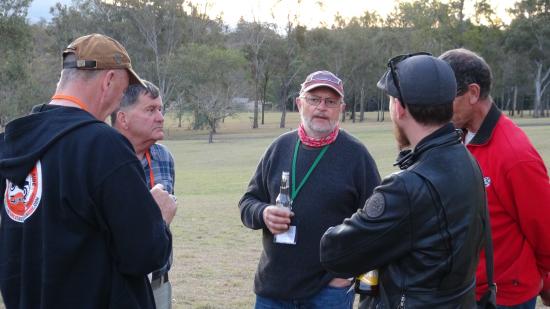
(22, 202)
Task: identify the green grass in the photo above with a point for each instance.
(215, 257)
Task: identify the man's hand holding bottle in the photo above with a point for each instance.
(277, 219)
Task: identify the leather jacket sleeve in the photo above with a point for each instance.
(378, 233)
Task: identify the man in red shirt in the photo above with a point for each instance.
(517, 185)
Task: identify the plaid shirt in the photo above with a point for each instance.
(163, 172)
(163, 167)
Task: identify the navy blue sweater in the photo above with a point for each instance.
(341, 183)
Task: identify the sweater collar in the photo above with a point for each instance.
(488, 125)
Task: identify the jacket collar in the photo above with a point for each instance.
(446, 135)
(487, 126)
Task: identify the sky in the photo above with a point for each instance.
(312, 14)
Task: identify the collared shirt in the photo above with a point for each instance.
(163, 167)
(163, 172)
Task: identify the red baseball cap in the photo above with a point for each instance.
(323, 79)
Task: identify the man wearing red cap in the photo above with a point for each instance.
(331, 176)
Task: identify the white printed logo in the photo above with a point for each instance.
(22, 202)
(487, 181)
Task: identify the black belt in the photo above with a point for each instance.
(155, 283)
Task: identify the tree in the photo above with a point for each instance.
(288, 63)
(159, 27)
(14, 63)
(529, 35)
(252, 39)
(214, 77)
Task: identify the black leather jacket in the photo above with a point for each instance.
(422, 229)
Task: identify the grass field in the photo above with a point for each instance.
(215, 257)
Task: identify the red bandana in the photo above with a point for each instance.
(317, 142)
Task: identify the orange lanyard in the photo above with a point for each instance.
(151, 175)
(72, 99)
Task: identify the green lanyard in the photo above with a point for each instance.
(312, 167)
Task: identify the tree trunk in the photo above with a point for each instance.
(213, 127)
(212, 131)
(362, 105)
(263, 114)
(353, 110)
(541, 82)
(255, 123)
(283, 116)
(284, 95)
(264, 95)
(515, 100)
(180, 114)
(196, 120)
(378, 107)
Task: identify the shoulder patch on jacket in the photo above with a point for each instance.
(21, 202)
(375, 205)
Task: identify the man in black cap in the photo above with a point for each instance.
(423, 226)
(331, 176)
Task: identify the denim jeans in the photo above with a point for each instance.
(530, 304)
(327, 298)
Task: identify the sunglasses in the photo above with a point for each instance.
(392, 64)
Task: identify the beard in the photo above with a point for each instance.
(319, 130)
(401, 138)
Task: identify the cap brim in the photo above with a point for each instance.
(134, 78)
(387, 85)
(311, 87)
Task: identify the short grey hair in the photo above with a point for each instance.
(71, 74)
(132, 94)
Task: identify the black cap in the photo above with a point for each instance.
(423, 79)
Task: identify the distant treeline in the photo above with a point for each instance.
(201, 64)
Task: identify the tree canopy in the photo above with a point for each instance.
(202, 64)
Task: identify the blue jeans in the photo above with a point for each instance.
(530, 304)
(327, 298)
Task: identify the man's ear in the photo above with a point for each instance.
(107, 79)
(298, 101)
(400, 111)
(121, 120)
(342, 107)
(473, 93)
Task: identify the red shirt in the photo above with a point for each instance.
(518, 193)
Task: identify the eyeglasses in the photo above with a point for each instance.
(392, 64)
(329, 102)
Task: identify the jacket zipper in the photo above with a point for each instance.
(402, 302)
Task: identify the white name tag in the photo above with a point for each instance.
(288, 237)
